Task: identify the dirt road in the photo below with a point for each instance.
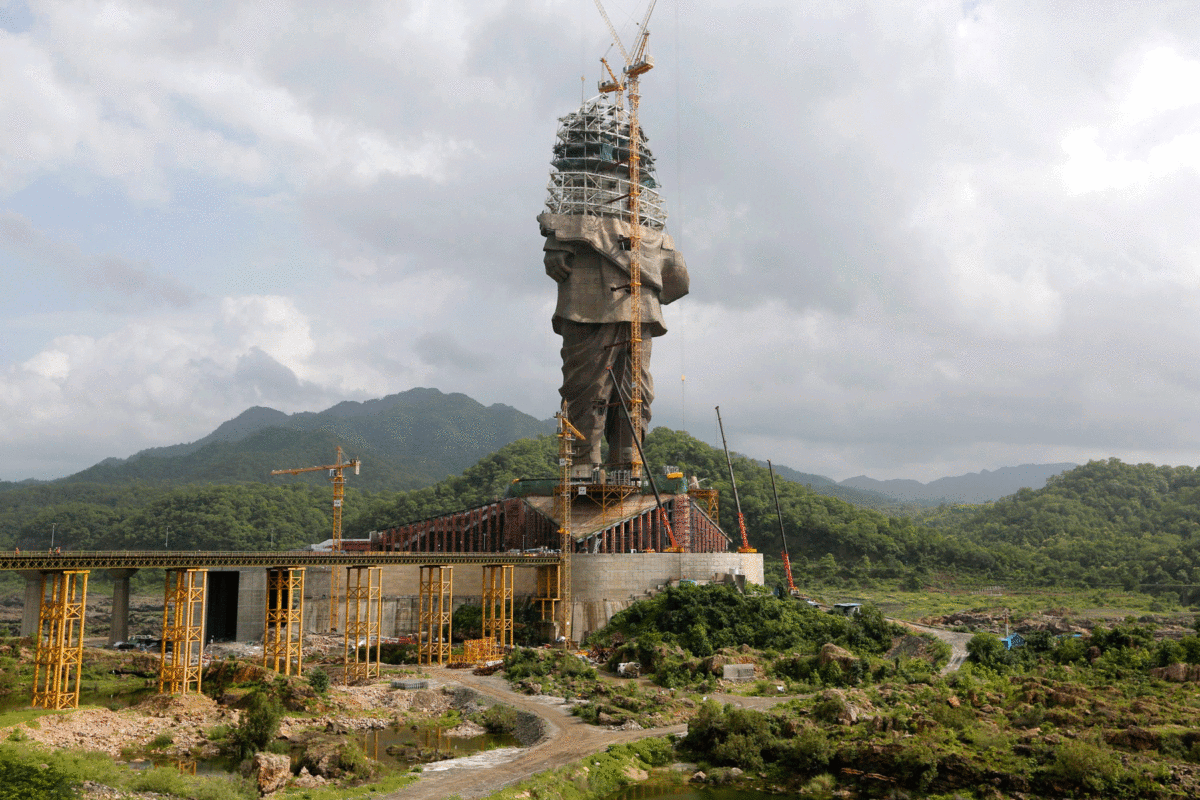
(567, 739)
(957, 641)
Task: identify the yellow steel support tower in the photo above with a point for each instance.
(549, 591)
(283, 640)
(60, 639)
(338, 479)
(563, 499)
(436, 607)
(497, 598)
(183, 631)
(364, 609)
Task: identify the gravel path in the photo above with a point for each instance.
(957, 641)
(567, 739)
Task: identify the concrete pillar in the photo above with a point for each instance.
(119, 630)
(33, 602)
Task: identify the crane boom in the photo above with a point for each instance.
(745, 548)
(787, 562)
(613, 30)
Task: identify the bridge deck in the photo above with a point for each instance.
(288, 558)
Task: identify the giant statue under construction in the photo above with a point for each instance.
(594, 211)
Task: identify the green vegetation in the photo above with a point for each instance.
(555, 672)
(29, 772)
(318, 679)
(258, 726)
(597, 775)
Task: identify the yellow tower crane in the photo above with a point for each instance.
(338, 479)
(637, 63)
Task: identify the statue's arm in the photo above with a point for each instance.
(557, 258)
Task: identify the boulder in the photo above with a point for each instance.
(840, 655)
(271, 772)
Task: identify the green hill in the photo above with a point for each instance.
(405, 441)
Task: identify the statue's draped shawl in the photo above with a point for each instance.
(600, 263)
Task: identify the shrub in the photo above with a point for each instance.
(353, 761)
(988, 651)
(499, 718)
(318, 679)
(1089, 765)
(161, 741)
(258, 726)
(730, 736)
(23, 780)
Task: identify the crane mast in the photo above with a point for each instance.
(338, 479)
(636, 64)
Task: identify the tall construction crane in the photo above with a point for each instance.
(787, 561)
(338, 479)
(637, 63)
(745, 548)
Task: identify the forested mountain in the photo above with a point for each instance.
(1104, 523)
(405, 441)
(864, 498)
(974, 487)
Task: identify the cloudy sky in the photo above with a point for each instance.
(925, 237)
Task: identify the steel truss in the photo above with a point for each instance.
(283, 640)
(497, 599)
(436, 607)
(183, 631)
(364, 610)
(60, 639)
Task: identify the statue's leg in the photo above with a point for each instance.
(587, 383)
(616, 429)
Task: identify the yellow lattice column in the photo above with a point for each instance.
(437, 600)
(183, 631)
(364, 609)
(548, 591)
(497, 597)
(283, 640)
(60, 639)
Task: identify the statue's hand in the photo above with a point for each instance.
(558, 264)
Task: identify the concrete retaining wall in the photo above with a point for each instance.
(602, 586)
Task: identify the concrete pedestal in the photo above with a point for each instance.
(119, 631)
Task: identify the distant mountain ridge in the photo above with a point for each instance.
(974, 487)
(406, 441)
(863, 498)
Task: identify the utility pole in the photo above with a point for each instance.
(53, 525)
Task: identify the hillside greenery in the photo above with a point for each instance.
(1105, 524)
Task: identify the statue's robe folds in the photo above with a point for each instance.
(593, 314)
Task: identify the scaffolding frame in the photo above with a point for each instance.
(182, 653)
(436, 608)
(362, 628)
(549, 591)
(283, 639)
(591, 163)
(60, 639)
(497, 599)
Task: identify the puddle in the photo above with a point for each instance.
(405, 746)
